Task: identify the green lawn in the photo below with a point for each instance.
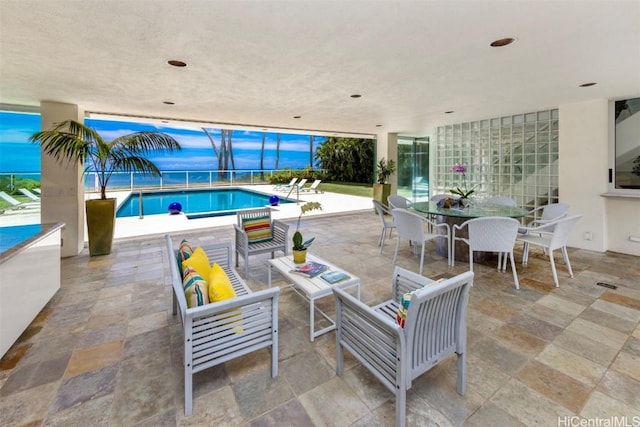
(19, 197)
(364, 190)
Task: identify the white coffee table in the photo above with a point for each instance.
(312, 288)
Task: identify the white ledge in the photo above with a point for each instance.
(622, 195)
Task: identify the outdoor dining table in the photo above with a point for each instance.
(453, 216)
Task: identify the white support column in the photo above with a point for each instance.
(62, 197)
(387, 147)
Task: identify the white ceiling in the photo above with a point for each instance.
(260, 63)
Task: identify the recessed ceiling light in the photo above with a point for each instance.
(378, 126)
(502, 42)
(168, 102)
(297, 117)
(448, 112)
(356, 95)
(177, 63)
(588, 84)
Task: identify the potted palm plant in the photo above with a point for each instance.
(74, 141)
(300, 245)
(382, 189)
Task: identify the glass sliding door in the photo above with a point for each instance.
(413, 168)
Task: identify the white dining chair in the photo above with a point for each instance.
(398, 202)
(551, 235)
(438, 197)
(489, 234)
(550, 212)
(410, 226)
(501, 200)
(387, 224)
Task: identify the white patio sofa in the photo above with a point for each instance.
(218, 332)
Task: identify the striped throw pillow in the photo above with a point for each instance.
(257, 229)
(405, 300)
(403, 307)
(196, 289)
(183, 253)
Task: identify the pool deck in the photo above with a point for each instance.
(332, 204)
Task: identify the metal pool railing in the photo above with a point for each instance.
(121, 181)
(180, 179)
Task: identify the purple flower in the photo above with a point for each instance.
(462, 192)
(458, 168)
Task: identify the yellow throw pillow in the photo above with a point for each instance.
(220, 287)
(198, 261)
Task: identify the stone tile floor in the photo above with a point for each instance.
(106, 350)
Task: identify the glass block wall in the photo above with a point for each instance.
(514, 156)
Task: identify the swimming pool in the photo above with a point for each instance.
(195, 203)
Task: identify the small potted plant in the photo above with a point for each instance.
(299, 244)
(462, 191)
(382, 189)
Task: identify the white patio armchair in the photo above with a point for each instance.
(551, 235)
(435, 327)
(410, 226)
(490, 234)
(257, 233)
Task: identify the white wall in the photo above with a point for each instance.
(584, 164)
(623, 222)
(583, 172)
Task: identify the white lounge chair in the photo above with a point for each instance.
(313, 187)
(17, 204)
(297, 187)
(284, 187)
(29, 194)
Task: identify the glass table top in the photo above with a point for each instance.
(475, 210)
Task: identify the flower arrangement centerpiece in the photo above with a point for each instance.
(462, 191)
(299, 244)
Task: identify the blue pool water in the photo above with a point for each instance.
(195, 203)
(14, 235)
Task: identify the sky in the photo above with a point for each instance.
(17, 154)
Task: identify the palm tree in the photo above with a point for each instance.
(72, 140)
(264, 137)
(277, 150)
